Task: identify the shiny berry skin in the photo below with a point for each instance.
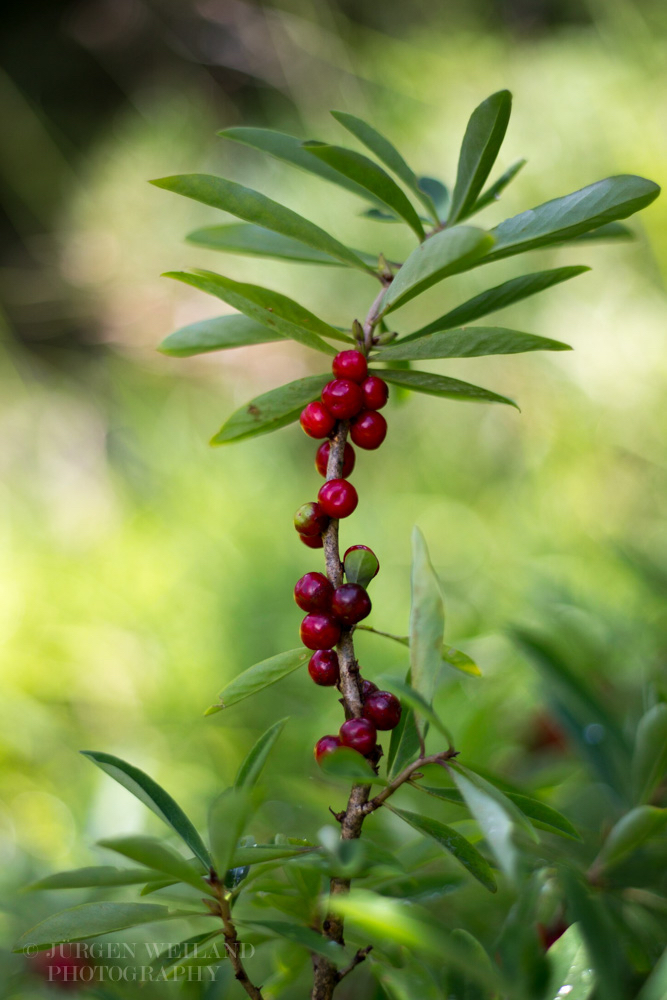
(350, 603)
(317, 421)
(319, 631)
(376, 392)
(368, 430)
(325, 746)
(312, 541)
(313, 592)
(338, 498)
(322, 459)
(367, 687)
(343, 398)
(383, 709)
(323, 667)
(358, 734)
(311, 519)
(350, 364)
(353, 548)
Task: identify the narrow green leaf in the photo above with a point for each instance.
(255, 241)
(469, 342)
(460, 985)
(369, 175)
(611, 231)
(438, 192)
(194, 950)
(571, 973)
(417, 702)
(152, 887)
(599, 934)
(271, 411)
(501, 797)
(447, 252)
(631, 831)
(258, 854)
(262, 674)
(227, 818)
(497, 298)
(254, 207)
(451, 841)
(252, 766)
(481, 144)
(655, 987)
(220, 333)
(360, 566)
(427, 621)
(453, 657)
(153, 854)
(381, 215)
(304, 936)
(152, 795)
(496, 823)
(441, 385)
(272, 309)
(649, 760)
(102, 876)
(494, 190)
(350, 765)
(574, 214)
(387, 153)
(405, 743)
(90, 920)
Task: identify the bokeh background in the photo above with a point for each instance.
(141, 569)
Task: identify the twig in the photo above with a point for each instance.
(405, 775)
(232, 942)
(357, 960)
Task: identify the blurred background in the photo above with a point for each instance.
(143, 569)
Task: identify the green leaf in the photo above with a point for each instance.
(262, 674)
(404, 744)
(447, 252)
(227, 818)
(259, 853)
(599, 935)
(254, 207)
(152, 887)
(153, 854)
(361, 565)
(291, 150)
(574, 214)
(417, 702)
(274, 310)
(153, 796)
(472, 952)
(216, 334)
(481, 144)
(255, 241)
(388, 154)
(649, 760)
(655, 987)
(370, 176)
(380, 215)
(454, 657)
(349, 764)
(438, 192)
(271, 411)
(441, 385)
(90, 920)
(300, 935)
(631, 831)
(195, 950)
(494, 190)
(498, 297)
(451, 841)
(611, 231)
(469, 342)
(95, 876)
(252, 766)
(571, 974)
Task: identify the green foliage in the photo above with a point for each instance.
(481, 145)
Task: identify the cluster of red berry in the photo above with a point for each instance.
(356, 396)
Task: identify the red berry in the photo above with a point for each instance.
(343, 398)
(322, 459)
(350, 603)
(317, 421)
(325, 746)
(313, 592)
(311, 519)
(319, 631)
(358, 734)
(338, 498)
(353, 548)
(323, 667)
(383, 709)
(376, 392)
(312, 541)
(369, 430)
(350, 364)
(367, 687)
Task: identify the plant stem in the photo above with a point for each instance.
(232, 943)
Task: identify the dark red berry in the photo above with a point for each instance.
(383, 709)
(319, 631)
(376, 392)
(311, 519)
(323, 667)
(367, 687)
(369, 430)
(317, 421)
(338, 498)
(322, 459)
(350, 364)
(325, 746)
(350, 603)
(358, 734)
(343, 398)
(312, 541)
(313, 592)
(353, 548)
